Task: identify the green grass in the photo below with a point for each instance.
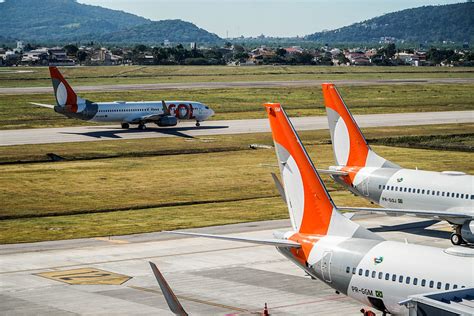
(167, 74)
(460, 142)
(131, 182)
(238, 103)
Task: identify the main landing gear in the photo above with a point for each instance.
(198, 124)
(142, 126)
(125, 125)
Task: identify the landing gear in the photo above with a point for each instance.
(142, 126)
(125, 125)
(456, 239)
(198, 124)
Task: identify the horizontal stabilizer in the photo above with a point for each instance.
(279, 187)
(49, 106)
(269, 242)
(332, 172)
(420, 213)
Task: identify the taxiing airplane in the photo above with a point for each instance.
(444, 195)
(162, 113)
(341, 253)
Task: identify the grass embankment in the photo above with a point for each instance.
(176, 74)
(233, 186)
(16, 111)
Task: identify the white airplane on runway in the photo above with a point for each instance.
(341, 253)
(162, 113)
(444, 195)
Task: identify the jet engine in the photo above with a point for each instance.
(167, 121)
(467, 231)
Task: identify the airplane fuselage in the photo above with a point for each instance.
(131, 112)
(411, 189)
(383, 273)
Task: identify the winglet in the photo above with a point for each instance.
(173, 302)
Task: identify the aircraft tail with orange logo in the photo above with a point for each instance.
(349, 144)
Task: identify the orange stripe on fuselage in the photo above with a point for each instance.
(307, 243)
(358, 147)
(318, 207)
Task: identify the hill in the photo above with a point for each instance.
(157, 32)
(454, 22)
(60, 20)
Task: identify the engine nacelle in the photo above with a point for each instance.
(167, 121)
(467, 232)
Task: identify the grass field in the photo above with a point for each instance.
(239, 103)
(175, 74)
(129, 194)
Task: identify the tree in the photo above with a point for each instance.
(71, 49)
(81, 56)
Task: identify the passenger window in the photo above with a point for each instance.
(353, 270)
(467, 196)
(438, 285)
(380, 187)
(348, 270)
(366, 273)
(442, 193)
(455, 286)
(394, 277)
(380, 275)
(409, 190)
(431, 284)
(360, 271)
(433, 192)
(472, 196)
(437, 193)
(418, 191)
(405, 190)
(407, 281)
(387, 276)
(400, 279)
(422, 191)
(373, 274)
(462, 196)
(415, 281)
(423, 282)
(427, 191)
(446, 287)
(457, 195)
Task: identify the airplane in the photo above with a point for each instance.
(354, 261)
(446, 195)
(162, 113)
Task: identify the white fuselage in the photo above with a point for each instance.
(385, 273)
(133, 111)
(414, 189)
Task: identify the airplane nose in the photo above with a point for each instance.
(211, 112)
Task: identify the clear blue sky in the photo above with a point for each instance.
(269, 17)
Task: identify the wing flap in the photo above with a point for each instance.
(268, 242)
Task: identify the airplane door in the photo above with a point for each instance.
(326, 266)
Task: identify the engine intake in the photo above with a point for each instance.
(467, 232)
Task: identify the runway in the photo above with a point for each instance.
(209, 128)
(237, 84)
(210, 277)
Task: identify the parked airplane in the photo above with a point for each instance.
(346, 256)
(162, 113)
(444, 195)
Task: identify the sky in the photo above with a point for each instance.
(285, 18)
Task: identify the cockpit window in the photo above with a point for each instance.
(206, 107)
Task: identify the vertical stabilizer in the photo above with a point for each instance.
(349, 144)
(311, 209)
(65, 95)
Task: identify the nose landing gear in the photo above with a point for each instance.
(198, 124)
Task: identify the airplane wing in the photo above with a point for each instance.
(49, 106)
(420, 213)
(269, 242)
(173, 302)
